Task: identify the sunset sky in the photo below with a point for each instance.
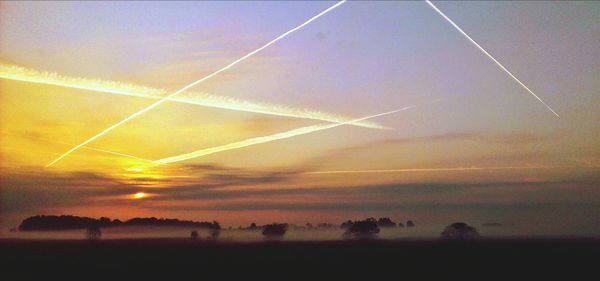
(474, 147)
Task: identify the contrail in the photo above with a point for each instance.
(17, 73)
(489, 56)
(165, 98)
(118, 154)
(269, 138)
(86, 147)
(433, 170)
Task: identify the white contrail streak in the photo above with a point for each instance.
(105, 151)
(117, 153)
(85, 147)
(269, 138)
(17, 73)
(459, 169)
(489, 56)
(165, 98)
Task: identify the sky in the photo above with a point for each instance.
(474, 146)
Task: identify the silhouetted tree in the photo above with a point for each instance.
(64, 222)
(325, 225)
(37, 223)
(275, 229)
(410, 224)
(362, 229)
(104, 221)
(346, 224)
(253, 226)
(194, 235)
(93, 233)
(385, 222)
(400, 224)
(460, 231)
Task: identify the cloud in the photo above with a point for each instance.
(32, 188)
(387, 196)
(35, 189)
(375, 206)
(173, 176)
(196, 192)
(462, 149)
(214, 187)
(478, 137)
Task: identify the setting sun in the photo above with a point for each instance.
(139, 195)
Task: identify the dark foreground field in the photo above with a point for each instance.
(169, 259)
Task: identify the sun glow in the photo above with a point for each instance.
(139, 195)
(135, 169)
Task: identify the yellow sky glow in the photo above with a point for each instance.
(13, 72)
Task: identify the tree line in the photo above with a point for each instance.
(67, 222)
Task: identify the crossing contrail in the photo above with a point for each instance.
(17, 73)
(165, 98)
(269, 138)
(85, 147)
(490, 56)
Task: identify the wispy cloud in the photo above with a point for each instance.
(477, 137)
(398, 196)
(221, 188)
(29, 188)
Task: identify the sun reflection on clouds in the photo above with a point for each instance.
(146, 175)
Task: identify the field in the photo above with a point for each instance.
(171, 258)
